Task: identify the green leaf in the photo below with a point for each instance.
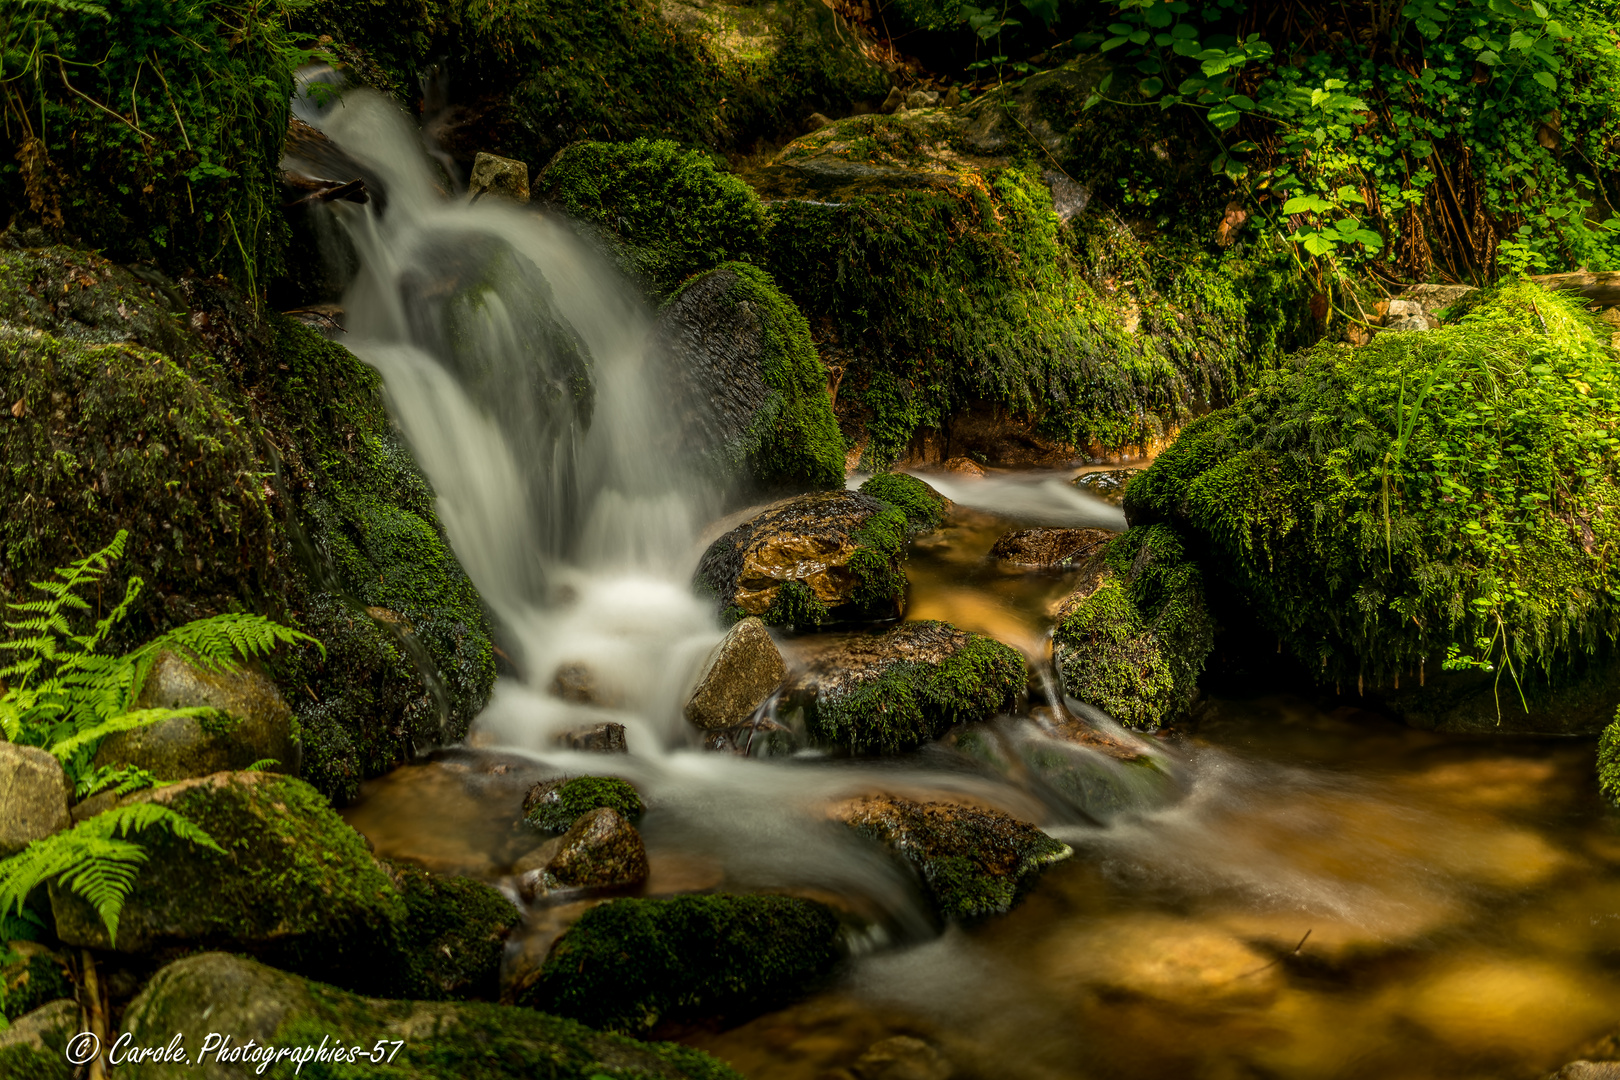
(1150, 87)
(1546, 80)
(1224, 117)
(1112, 43)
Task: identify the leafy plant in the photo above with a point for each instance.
(62, 695)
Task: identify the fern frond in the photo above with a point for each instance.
(262, 764)
(93, 860)
(120, 779)
(217, 643)
(64, 749)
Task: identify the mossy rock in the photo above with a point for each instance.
(216, 992)
(296, 886)
(453, 937)
(837, 555)
(888, 692)
(554, 805)
(924, 507)
(946, 270)
(255, 469)
(760, 410)
(1133, 638)
(1428, 501)
(1608, 760)
(33, 1048)
(717, 74)
(30, 976)
(973, 862)
(632, 964)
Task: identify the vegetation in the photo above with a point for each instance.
(1455, 512)
(628, 965)
(565, 802)
(924, 507)
(1608, 761)
(1135, 645)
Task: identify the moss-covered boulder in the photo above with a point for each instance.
(832, 556)
(924, 507)
(759, 410)
(554, 805)
(1133, 638)
(216, 992)
(973, 862)
(33, 1048)
(30, 976)
(887, 692)
(1430, 514)
(600, 850)
(296, 886)
(453, 937)
(528, 80)
(631, 964)
(255, 468)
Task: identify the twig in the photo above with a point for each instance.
(121, 119)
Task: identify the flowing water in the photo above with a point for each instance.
(1288, 893)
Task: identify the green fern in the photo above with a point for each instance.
(121, 780)
(95, 860)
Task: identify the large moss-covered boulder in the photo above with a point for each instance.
(453, 937)
(973, 861)
(216, 992)
(527, 80)
(758, 405)
(630, 964)
(887, 692)
(924, 507)
(1133, 637)
(255, 469)
(831, 556)
(296, 884)
(1430, 514)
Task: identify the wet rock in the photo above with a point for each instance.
(1133, 637)
(630, 964)
(739, 675)
(607, 738)
(257, 726)
(34, 796)
(30, 976)
(554, 805)
(974, 862)
(1173, 961)
(601, 850)
(921, 99)
(887, 692)
(32, 1048)
(834, 555)
(217, 992)
(924, 507)
(298, 886)
(453, 938)
(1050, 547)
(758, 408)
(963, 466)
(902, 1058)
(576, 682)
(499, 177)
(1108, 486)
(1588, 1070)
(1096, 774)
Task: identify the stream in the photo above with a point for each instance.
(1285, 892)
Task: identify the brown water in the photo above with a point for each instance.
(1334, 895)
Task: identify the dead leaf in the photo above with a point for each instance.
(18, 409)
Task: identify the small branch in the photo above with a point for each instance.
(122, 120)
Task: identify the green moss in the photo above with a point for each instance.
(30, 978)
(453, 937)
(29, 1063)
(878, 561)
(1137, 644)
(675, 212)
(923, 506)
(560, 806)
(906, 703)
(1608, 760)
(1429, 494)
(792, 440)
(630, 964)
(793, 605)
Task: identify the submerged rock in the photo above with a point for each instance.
(554, 805)
(216, 992)
(257, 727)
(34, 1046)
(756, 390)
(1049, 547)
(891, 691)
(836, 555)
(974, 862)
(34, 797)
(605, 738)
(739, 675)
(630, 964)
(1132, 639)
(902, 1058)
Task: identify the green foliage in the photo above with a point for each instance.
(676, 213)
(1430, 497)
(629, 964)
(96, 859)
(1608, 761)
(29, 978)
(453, 936)
(907, 703)
(1137, 644)
(565, 803)
(878, 561)
(923, 506)
(152, 129)
(793, 605)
